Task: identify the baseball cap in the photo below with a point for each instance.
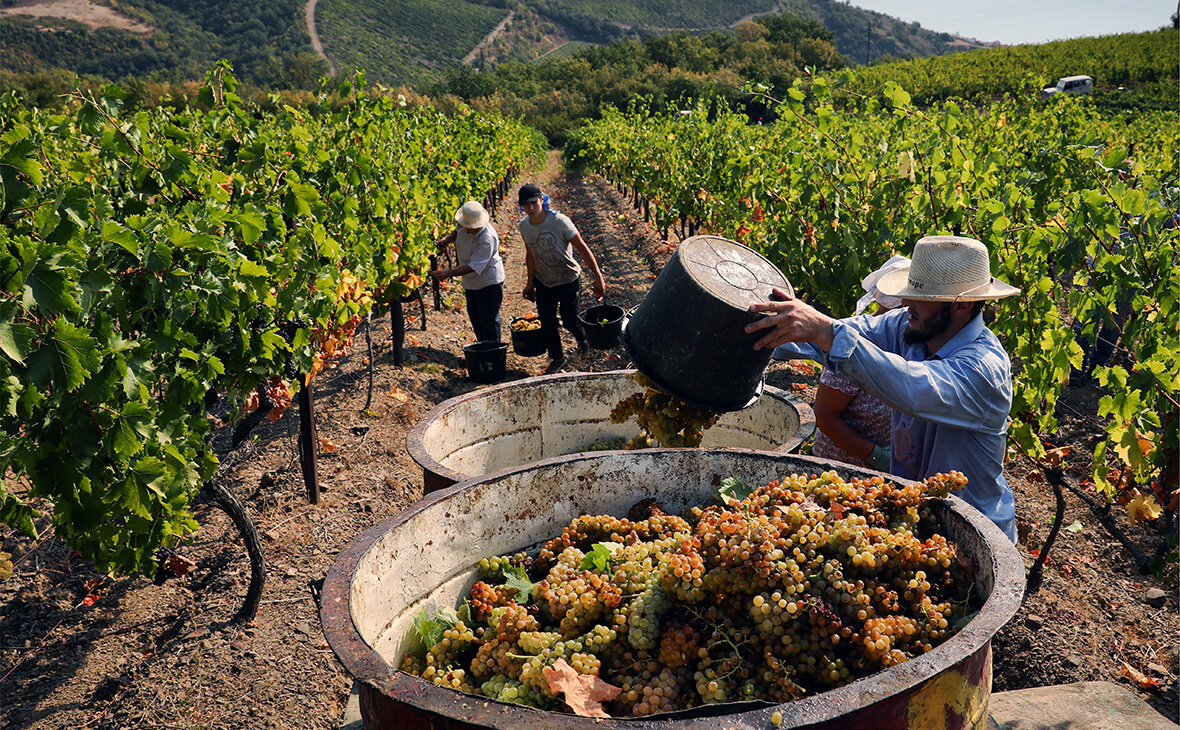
(528, 193)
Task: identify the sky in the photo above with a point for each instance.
(1028, 21)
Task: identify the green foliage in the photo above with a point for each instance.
(151, 257)
(1087, 230)
(517, 577)
(599, 558)
(734, 488)
(266, 41)
(430, 630)
(402, 41)
(1144, 61)
(607, 20)
(658, 72)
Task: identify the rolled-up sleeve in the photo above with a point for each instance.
(970, 389)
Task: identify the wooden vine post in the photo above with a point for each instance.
(307, 444)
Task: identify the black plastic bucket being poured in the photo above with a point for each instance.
(688, 334)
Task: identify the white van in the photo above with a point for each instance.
(1070, 85)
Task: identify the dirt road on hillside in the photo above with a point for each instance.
(309, 20)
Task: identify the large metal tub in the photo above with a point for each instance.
(425, 557)
(538, 418)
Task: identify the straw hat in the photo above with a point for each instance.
(472, 215)
(946, 269)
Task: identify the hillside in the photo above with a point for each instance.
(161, 39)
(1130, 71)
(395, 41)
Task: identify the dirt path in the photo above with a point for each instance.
(777, 8)
(83, 11)
(147, 656)
(487, 40)
(309, 20)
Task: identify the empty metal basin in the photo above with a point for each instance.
(426, 557)
(553, 415)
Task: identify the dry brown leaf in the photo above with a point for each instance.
(328, 445)
(1139, 678)
(584, 693)
(1054, 457)
(179, 564)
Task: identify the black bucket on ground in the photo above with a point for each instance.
(527, 343)
(486, 360)
(687, 335)
(603, 325)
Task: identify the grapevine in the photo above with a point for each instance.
(807, 584)
(156, 259)
(1078, 209)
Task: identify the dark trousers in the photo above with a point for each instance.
(549, 300)
(483, 307)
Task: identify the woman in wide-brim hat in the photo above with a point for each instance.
(934, 362)
(477, 251)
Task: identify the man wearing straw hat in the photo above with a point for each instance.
(942, 371)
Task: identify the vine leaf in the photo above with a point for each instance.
(430, 630)
(67, 358)
(600, 556)
(516, 577)
(734, 488)
(15, 339)
(47, 288)
(584, 693)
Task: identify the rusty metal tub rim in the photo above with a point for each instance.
(437, 473)
(368, 667)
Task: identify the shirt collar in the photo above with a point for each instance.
(962, 338)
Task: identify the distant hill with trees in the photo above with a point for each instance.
(410, 42)
(265, 39)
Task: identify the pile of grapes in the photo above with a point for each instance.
(526, 323)
(800, 586)
(663, 419)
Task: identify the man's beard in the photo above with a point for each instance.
(934, 326)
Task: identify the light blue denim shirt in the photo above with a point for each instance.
(950, 408)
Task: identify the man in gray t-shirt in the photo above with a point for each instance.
(552, 277)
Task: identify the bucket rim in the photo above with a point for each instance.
(416, 438)
(617, 314)
(485, 346)
(368, 667)
(662, 385)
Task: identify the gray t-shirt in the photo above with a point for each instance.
(480, 251)
(553, 256)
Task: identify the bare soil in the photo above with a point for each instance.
(89, 14)
(147, 656)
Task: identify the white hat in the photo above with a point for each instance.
(869, 284)
(472, 215)
(946, 269)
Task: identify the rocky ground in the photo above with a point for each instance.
(147, 656)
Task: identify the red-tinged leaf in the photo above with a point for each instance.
(798, 386)
(1139, 678)
(1035, 552)
(179, 565)
(90, 599)
(584, 693)
(1054, 457)
(93, 584)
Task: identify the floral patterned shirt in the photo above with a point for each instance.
(865, 414)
